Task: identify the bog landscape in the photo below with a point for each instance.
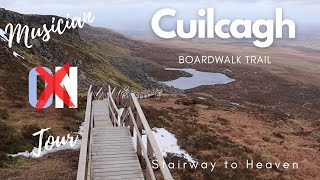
(267, 113)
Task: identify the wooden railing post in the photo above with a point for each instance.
(139, 124)
(150, 156)
(126, 118)
(83, 172)
(142, 119)
(131, 105)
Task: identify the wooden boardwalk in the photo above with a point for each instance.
(101, 113)
(113, 154)
(107, 148)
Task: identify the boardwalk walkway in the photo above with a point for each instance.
(101, 113)
(107, 151)
(113, 154)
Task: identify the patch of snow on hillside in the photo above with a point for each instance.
(15, 54)
(235, 104)
(81, 128)
(202, 98)
(227, 70)
(54, 149)
(3, 35)
(167, 143)
(44, 151)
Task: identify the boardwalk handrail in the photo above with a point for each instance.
(133, 116)
(137, 120)
(84, 156)
(148, 93)
(124, 110)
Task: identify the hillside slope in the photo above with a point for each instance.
(95, 51)
(18, 120)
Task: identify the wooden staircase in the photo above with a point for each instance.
(112, 120)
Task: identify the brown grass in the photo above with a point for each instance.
(228, 133)
(59, 165)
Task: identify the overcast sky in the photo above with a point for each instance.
(136, 14)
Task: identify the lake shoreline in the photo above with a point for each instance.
(197, 79)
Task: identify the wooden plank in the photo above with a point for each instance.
(116, 146)
(119, 156)
(119, 130)
(100, 110)
(119, 173)
(100, 113)
(119, 150)
(111, 141)
(119, 176)
(113, 162)
(100, 140)
(113, 154)
(111, 134)
(107, 137)
(110, 137)
(109, 158)
(100, 116)
(111, 168)
(101, 123)
(115, 167)
(114, 128)
(107, 145)
(106, 151)
(104, 168)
